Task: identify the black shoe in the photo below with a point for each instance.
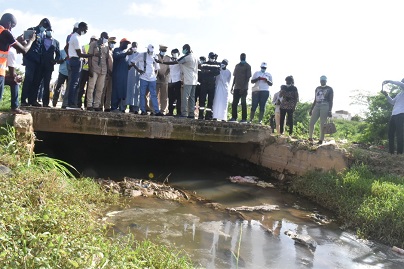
(90, 109)
(107, 110)
(136, 112)
(143, 113)
(24, 104)
(159, 114)
(98, 109)
(36, 104)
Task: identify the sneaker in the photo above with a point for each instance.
(90, 109)
(243, 121)
(36, 104)
(107, 110)
(232, 120)
(73, 108)
(18, 111)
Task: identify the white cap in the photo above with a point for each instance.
(150, 47)
(76, 25)
(264, 64)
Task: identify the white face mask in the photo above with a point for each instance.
(150, 53)
(134, 49)
(175, 55)
(104, 40)
(212, 59)
(223, 66)
(111, 46)
(162, 53)
(82, 33)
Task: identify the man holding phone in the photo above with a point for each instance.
(7, 22)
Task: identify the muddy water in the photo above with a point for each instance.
(215, 239)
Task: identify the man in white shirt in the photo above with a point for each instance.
(148, 69)
(396, 123)
(75, 53)
(13, 80)
(174, 85)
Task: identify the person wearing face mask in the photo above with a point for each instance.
(147, 65)
(221, 92)
(49, 57)
(202, 60)
(32, 63)
(75, 53)
(239, 89)
(174, 85)
(321, 108)
(209, 71)
(133, 91)
(107, 91)
(289, 96)
(260, 92)
(97, 71)
(162, 79)
(7, 22)
(84, 75)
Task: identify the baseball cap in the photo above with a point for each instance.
(150, 47)
(93, 37)
(323, 78)
(124, 40)
(264, 64)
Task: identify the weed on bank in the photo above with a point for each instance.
(51, 220)
(370, 203)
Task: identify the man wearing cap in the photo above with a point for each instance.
(32, 63)
(75, 53)
(321, 108)
(221, 92)
(147, 66)
(133, 92)
(97, 68)
(162, 79)
(209, 71)
(84, 75)
(107, 91)
(7, 22)
(120, 76)
(174, 85)
(239, 89)
(260, 92)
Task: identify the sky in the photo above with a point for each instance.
(357, 44)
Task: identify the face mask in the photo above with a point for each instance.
(48, 34)
(212, 59)
(223, 66)
(82, 33)
(184, 51)
(42, 29)
(134, 49)
(162, 53)
(150, 53)
(104, 40)
(175, 55)
(111, 46)
(263, 70)
(243, 62)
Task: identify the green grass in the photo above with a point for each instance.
(49, 219)
(370, 203)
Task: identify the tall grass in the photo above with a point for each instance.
(49, 219)
(370, 203)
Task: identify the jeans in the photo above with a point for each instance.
(289, 122)
(396, 130)
(319, 111)
(151, 86)
(237, 95)
(259, 98)
(188, 101)
(61, 80)
(75, 66)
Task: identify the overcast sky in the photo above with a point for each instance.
(356, 43)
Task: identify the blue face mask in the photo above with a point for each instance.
(42, 29)
(48, 34)
(243, 62)
(184, 51)
(263, 70)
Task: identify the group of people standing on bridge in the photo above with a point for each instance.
(120, 79)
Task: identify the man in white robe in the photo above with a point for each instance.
(221, 92)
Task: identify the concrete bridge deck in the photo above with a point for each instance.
(137, 126)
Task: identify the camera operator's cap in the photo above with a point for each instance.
(225, 61)
(150, 47)
(163, 48)
(264, 64)
(323, 78)
(124, 40)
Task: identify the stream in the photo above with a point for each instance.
(215, 239)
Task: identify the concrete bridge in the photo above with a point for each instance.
(252, 142)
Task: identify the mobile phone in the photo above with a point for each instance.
(28, 34)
